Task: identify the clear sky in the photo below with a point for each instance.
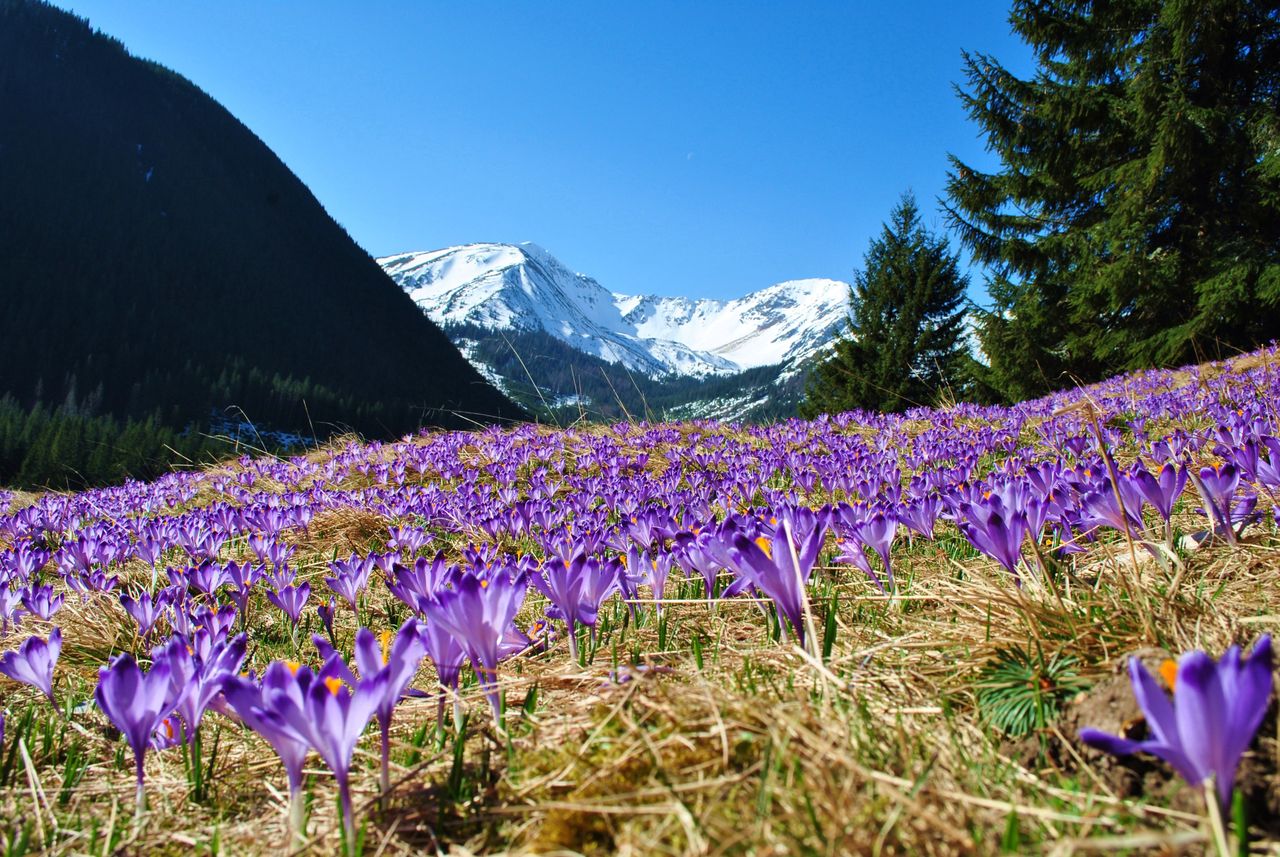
(698, 148)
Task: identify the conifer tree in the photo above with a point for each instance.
(904, 344)
(1134, 219)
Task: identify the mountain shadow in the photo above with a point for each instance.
(158, 261)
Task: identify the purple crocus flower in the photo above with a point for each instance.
(878, 533)
(251, 702)
(208, 577)
(478, 613)
(1217, 487)
(854, 553)
(602, 580)
(196, 680)
(656, 576)
(995, 531)
(41, 601)
(638, 568)
(204, 627)
(781, 570)
(333, 716)
(136, 703)
(95, 580)
(419, 583)
(10, 607)
(922, 515)
(281, 576)
(34, 661)
(350, 577)
(243, 577)
(396, 655)
(1160, 491)
(149, 550)
(693, 556)
(408, 540)
(563, 583)
(447, 654)
(269, 550)
(292, 600)
(1268, 468)
(326, 612)
(144, 609)
(1215, 712)
(26, 559)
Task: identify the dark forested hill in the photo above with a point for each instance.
(157, 260)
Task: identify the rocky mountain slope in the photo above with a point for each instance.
(505, 287)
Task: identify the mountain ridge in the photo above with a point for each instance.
(524, 287)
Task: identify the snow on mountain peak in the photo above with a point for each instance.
(524, 287)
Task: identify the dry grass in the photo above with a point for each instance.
(881, 749)
(719, 740)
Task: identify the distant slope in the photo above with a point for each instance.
(504, 287)
(781, 324)
(156, 256)
(562, 384)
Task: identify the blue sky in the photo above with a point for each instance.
(705, 149)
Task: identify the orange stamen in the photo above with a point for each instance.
(1169, 672)
(293, 667)
(333, 684)
(386, 646)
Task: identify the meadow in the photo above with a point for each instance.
(858, 634)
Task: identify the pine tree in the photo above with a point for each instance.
(1135, 217)
(904, 344)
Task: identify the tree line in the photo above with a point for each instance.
(1134, 218)
(62, 449)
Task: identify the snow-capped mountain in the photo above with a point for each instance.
(523, 287)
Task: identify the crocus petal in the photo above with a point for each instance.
(1108, 743)
(1176, 759)
(1118, 746)
(368, 653)
(1247, 686)
(1154, 704)
(1201, 714)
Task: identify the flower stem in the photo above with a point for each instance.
(1217, 828)
(141, 796)
(348, 826)
(385, 724)
(297, 818)
(197, 767)
(573, 641)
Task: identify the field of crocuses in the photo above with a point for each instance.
(1037, 628)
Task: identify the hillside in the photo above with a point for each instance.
(865, 633)
(562, 384)
(160, 260)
